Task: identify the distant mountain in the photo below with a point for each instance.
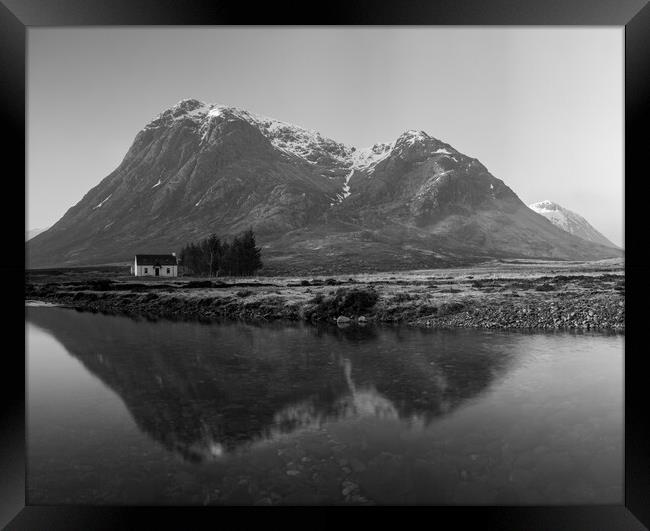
(315, 204)
(29, 234)
(570, 221)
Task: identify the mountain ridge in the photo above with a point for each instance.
(316, 205)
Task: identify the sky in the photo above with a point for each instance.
(540, 107)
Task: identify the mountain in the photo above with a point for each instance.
(29, 234)
(570, 221)
(316, 205)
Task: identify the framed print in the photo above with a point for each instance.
(375, 260)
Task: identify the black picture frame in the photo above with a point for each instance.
(17, 15)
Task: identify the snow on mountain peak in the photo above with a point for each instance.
(545, 205)
(188, 104)
(412, 136)
(569, 221)
(181, 110)
(308, 144)
(369, 157)
(305, 143)
(555, 214)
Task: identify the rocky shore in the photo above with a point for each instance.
(587, 312)
(524, 298)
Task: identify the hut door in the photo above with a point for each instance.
(157, 269)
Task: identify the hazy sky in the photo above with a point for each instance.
(542, 108)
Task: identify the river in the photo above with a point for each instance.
(124, 412)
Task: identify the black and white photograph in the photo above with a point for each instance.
(325, 266)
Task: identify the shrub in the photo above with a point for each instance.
(403, 297)
(544, 287)
(427, 309)
(132, 286)
(127, 296)
(344, 301)
(199, 284)
(451, 290)
(100, 284)
(448, 308)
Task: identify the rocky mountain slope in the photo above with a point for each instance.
(316, 205)
(570, 221)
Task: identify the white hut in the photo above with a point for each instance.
(155, 265)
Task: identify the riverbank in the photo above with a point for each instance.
(514, 294)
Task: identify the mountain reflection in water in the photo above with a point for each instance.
(204, 391)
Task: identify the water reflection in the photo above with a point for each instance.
(206, 391)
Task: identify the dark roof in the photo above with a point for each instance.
(155, 259)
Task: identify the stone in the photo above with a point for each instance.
(342, 319)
